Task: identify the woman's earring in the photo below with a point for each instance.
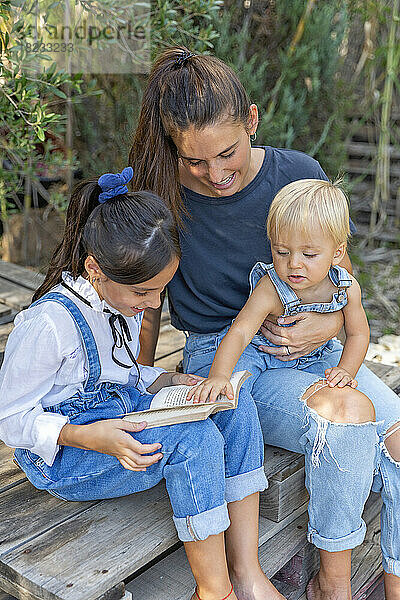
(253, 137)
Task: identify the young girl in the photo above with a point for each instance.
(70, 373)
(308, 227)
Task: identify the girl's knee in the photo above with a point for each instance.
(340, 405)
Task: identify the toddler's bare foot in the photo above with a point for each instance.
(338, 589)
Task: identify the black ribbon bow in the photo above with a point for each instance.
(121, 338)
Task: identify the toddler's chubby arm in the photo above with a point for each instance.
(263, 301)
(357, 339)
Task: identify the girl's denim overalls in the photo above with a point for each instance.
(343, 461)
(200, 476)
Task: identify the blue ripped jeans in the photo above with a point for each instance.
(205, 464)
(343, 461)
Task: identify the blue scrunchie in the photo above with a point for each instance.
(114, 184)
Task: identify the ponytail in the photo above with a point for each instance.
(183, 90)
(132, 236)
(69, 254)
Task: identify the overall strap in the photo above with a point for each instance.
(290, 301)
(339, 276)
(89, 343)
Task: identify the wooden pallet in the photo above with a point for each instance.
(128, 547)
(362, 151)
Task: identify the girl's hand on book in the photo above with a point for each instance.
(172, 378)
(112, 436)
(184, 379)
(209, 390)
(336, 376)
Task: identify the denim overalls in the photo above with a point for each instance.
(343, 461)
(292, 305)
(201, 478)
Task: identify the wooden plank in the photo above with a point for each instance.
(4, 310)
(10, 474)
(14, 295)
(20, 275)
(380, 369)
(172, 578)
(5, 596)
(169, 351)
(282, 497)
(374, 589)
(298, 463)
(27, 512)
(5, 331)
(389, 374)
(363, 150)
(277, 459)
(364, 167)
(116, 593)
(372, 508)
(280, 548)
(300, 568)
(95, 550)
(169, 363)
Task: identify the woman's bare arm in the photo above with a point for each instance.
(149, 335)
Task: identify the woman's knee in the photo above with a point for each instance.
(340, 405)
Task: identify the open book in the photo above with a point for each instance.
(169, 406)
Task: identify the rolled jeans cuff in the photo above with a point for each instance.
(347, 542)
(194, 528)
(240, 486)
(391, 565)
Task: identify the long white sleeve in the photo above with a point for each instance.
(32, 359)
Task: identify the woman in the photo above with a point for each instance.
(193, 147)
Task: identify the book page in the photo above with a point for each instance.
(175, 395)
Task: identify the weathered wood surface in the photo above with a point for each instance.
(10, 474)
(20, 275)
(282, 497)
(93, 546)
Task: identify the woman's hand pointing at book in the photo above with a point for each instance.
(209, 390)
(173, 378)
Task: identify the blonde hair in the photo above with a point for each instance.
(306, 204)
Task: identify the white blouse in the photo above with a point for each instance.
(45, 364)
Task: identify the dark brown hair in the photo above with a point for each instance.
(198, 91)
(132, 237)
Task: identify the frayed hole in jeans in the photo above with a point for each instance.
(392, 442)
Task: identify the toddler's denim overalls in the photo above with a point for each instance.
(292, 305)
(342, 460)
(206, 464)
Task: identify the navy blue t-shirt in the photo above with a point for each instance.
(223, 238)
